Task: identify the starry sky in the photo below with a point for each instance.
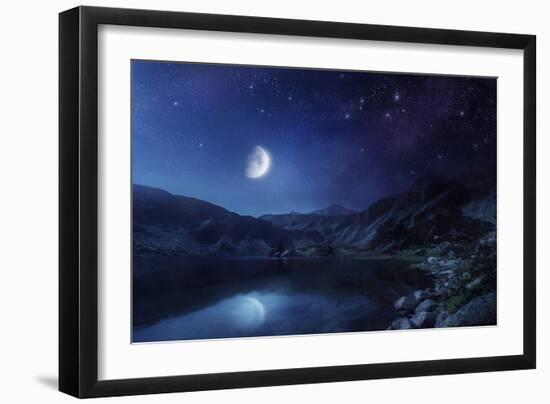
(334, 137)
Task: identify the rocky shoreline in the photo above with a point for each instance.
(464, 291)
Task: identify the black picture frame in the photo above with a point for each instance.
(78, 201)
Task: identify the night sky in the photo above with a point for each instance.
(335, 137)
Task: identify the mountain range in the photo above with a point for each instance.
(430, 212)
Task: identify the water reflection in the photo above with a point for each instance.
(261, 313)
(181, 298)
(237, 316)
(248, 313)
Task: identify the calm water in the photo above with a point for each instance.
(181, 298)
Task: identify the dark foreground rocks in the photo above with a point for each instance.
(464, 291)
(481, 310)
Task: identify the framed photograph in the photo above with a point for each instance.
(250, 201)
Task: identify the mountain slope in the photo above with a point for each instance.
(334, 210)
(430, 212)
(170, 224)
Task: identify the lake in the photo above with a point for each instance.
(187, 298)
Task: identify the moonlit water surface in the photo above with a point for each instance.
(206, 298)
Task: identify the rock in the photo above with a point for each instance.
(431, 260)
(420, 295)
(446, 274)
(405, 303)
(290, 254)
(426, 306)
(454, 283)
(441, 291)
(423, 319)
(401, 324)
(476, 283)
(440, 319)
(481, 310)
(450, 264)
(431, 294)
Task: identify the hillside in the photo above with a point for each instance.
(168, 224)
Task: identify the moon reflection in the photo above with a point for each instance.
(249, 312)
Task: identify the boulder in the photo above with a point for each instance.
(445, 274)
(401, 324)
(431, 260)
(450, 264)
(423, 319)
(481, 310)
(406, 303)
(441, 290)
(476, 283)
(420, 295)
(426, 306)
(440, 319)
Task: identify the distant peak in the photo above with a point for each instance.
(334, 210)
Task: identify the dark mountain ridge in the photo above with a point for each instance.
(433, 209)
(430, 212)
(171, 224)
(334, 210)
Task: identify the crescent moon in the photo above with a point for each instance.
(259, 163)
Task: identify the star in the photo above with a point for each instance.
(439, 156)
(176, 103)
(461, 113)
(347, 116)
(387, 115)
(396, 97)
